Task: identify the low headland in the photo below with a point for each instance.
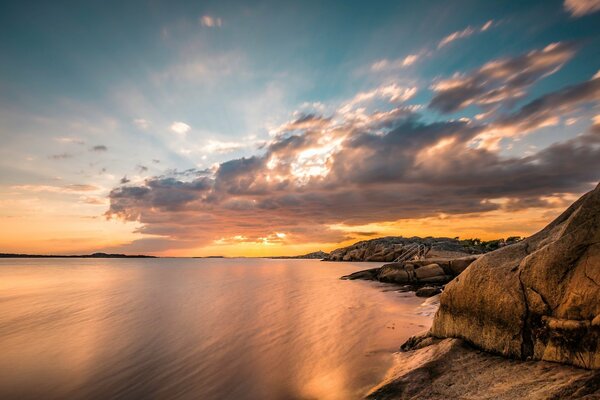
(522, 321)
(423, 265)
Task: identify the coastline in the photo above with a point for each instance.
(522, 321)
(440, 369)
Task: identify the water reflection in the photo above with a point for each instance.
(185, 328)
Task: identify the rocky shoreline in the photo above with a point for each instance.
(441, 369)
(519, 322)
(426, 277)
(391, 248)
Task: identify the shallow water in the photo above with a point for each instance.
(196, 329)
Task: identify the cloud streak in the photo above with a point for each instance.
(579, 8)
(468, 31)
(500, 81)
(210, 21)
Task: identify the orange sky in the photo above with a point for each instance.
(42, 224)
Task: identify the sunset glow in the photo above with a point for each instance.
(235, 137)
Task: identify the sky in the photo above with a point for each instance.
(256, 128)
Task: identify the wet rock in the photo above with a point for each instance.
(394, 275)
(367, 274)
(437, 369)
(428, 291)
(406, 288)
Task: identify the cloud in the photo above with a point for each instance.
(392, 93)
(219, 147)
(141, 123)
(124, 180)
(181, 128)
(210, 22)
(92, 200)
(468, 31)
(541, 112)
(61, 156)
(579, 8)
(56, 189)
(99, 148)
(68, 139)
(302, 122)
(500, 82)
(386, 65)
(321, 172)
(81, 188)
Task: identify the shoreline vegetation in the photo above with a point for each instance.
(522, 321)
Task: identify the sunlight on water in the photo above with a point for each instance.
(196, 328)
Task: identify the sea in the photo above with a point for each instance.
(187, 328)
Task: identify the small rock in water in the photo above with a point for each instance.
(428, 291)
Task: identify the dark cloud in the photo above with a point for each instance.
(99, 148)
(62, 156)
(368, 234)
(124, 180)
(500, 81)
(538, 112)
(544, 111)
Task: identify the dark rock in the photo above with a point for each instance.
(416, 272)
(437, 369)
(428, 291)
(367, 274)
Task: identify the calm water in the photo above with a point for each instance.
(196, 329)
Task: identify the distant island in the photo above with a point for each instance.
(316, 255)
(94, 255)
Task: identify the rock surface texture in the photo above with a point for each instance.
(416, 272)
(537, 299)
(387, 249)
(450, 369)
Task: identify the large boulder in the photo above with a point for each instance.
(536, 299)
